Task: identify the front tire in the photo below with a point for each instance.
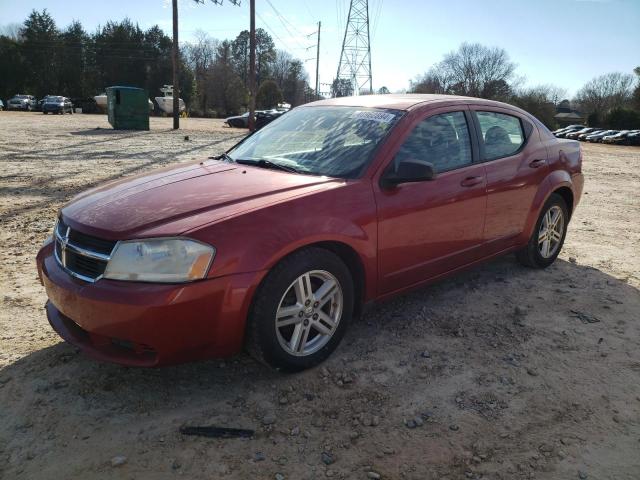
(548, 235)
(301, 310)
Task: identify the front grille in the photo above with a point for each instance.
(83, 256)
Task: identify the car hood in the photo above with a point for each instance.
(178, 199)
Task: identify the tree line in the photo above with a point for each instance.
(611, 100)
(40, 59)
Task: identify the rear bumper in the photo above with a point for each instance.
(141, 324)
(52, 109)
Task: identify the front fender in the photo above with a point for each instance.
(257, 240)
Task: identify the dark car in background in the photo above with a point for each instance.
(614, 138)
(631, 139)
(597, 137)
(57, 104)
(22, 102)
(263, 117)
(238, 121)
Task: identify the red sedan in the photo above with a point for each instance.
(277, 244)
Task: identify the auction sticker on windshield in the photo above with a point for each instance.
(382, 117)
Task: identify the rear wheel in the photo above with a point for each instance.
(301, 310)
(548, 236)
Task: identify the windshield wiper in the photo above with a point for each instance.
(224, 156)
(269, 164)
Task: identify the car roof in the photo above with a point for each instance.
(404, 101)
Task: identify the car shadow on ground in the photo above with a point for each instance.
(62, 366)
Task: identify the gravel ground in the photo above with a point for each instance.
(499, 373)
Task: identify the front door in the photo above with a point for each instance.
(430, 227)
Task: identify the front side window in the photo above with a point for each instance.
(442, 140)
(502, 134)
(333, 141)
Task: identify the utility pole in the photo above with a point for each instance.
(355, 57)
(176, 69)
(318, 62)
(252, 64)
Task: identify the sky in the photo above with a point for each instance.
(560, 42)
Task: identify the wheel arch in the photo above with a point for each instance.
(567, 195)
(349, 257)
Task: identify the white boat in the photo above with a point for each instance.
(166, 102)
(101, 100)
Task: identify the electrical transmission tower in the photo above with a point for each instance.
(355, 58)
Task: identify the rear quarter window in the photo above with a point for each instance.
(502, 134)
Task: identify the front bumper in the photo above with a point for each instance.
(143, 324)
(18, 106)
(52, 108)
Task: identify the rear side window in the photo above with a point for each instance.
(442, 140)
(502, 134)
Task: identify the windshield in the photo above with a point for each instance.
(53, 99)
(21, 97)
(332, 141)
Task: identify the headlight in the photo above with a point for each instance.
(167, 260)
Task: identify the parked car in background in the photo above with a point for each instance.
(268, 116)
(22, 102)
(597, 137)
(1, 105)
(41, 102)
(573, 135)
(238, 121)
(618, 136)
(631, 139)
(564, 133)
(87, 104)
(567, 128)
(277, 244)
(583, 137)
(57, 104)
(263, 117)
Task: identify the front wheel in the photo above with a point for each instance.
(301, 310)
(548, 236)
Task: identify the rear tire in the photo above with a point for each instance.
(301, 310)
(548, 235)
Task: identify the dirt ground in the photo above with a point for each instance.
(499, 373)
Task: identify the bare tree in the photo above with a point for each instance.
(606, 92)
(11, 30)
(200, 56)
(540, 101)
(473, 70)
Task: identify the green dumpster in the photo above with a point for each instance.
(128, 108)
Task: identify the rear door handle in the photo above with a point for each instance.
(471, 181)
(537, 163)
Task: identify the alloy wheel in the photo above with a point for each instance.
(551, 232)
(309, 313)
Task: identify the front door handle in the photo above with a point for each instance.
(537, 163)
(471, 181)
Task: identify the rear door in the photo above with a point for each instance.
(515, 163)
(430, 227)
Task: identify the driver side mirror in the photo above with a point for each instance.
(408, 171)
